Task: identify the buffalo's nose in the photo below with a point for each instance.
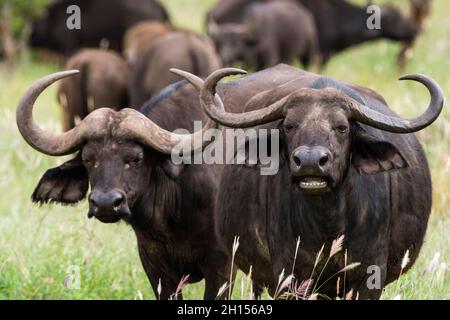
(107, 201)
(310, 160)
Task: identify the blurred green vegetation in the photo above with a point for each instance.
(38, 245)
(22, 11)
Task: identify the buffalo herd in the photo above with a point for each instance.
(350, 169)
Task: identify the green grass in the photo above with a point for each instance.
(38, 245)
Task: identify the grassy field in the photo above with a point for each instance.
(41, 246)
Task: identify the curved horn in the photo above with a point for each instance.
(137, 126)
(213, 105)
(44, 141)
(381, 121)
(131, 124)
(197, 82)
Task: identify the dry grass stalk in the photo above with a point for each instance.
(336, 246)
(183, 282)
(222, 290)
(159, 289)
(349, 295)
(297, 246)
(234, 250)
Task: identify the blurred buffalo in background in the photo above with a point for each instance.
(341, 25)
(102, 82)
(152, 50)
(138, 37)
(267, 34)
(101, 20)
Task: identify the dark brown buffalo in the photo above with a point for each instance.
(151, 61)
(101, 20)
(102, 82)
(269, 33)
(341, 24)
(124, 156)
(349, 166)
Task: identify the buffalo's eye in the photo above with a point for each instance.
(134, 160)
(88, 161)
(288, 126)
(342, 128)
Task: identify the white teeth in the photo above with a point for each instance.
(313, 184)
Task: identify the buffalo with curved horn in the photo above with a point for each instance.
(356, 111)
(125, 158)
(349, 169)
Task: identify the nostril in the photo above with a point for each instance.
(93, 202)
(118, 202)
(106, 201)
(297, 161)
(324, 160)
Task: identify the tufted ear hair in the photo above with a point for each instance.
(172, 170)
(66, 184)
(372, 155)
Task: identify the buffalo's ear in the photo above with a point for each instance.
(66, 184)
(172, 170)
(372, 155)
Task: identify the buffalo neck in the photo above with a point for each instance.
(321, 217)
(358, 206)
(158, 209)
(326, 212)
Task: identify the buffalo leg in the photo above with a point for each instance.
(160, 279)
(363, 286)
(68, 121)
(216, 272)
(270, 58)
(257, 291)
(168, 287)
(68, 117)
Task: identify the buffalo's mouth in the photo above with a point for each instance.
(312, 184)
(109, 216)
(109, 219)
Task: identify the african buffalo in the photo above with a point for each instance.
(149, 69)
(349, 166)
(341, 25)
(100, 20)
(140, 36)
(102, 82)
(269, 33)
(124, 157)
